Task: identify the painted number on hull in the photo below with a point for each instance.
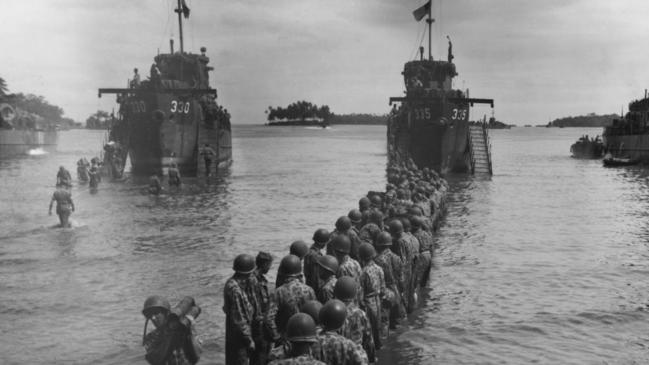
(137, 106)
(180, 106)
(459, 114)
(422, 113)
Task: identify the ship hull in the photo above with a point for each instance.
(19, 142)
(433, 134)
(633, 146)
(164, 128)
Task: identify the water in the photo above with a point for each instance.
(545, 262)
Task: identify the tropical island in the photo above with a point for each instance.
(31, 111)
(589, 120)
(308, 114)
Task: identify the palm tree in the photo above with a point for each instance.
(3, 87)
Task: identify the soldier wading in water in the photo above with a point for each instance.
(64, 206)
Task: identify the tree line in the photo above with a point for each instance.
(299, 110)
(589, 120)
(37, 105)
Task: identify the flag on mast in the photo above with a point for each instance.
(421, 12)
(185, 9)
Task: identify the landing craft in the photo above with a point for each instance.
(431, 125)
(169, 117)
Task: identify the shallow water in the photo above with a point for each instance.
(545, 262)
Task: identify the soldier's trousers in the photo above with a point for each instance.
(372, 307)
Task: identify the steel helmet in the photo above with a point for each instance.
(312, 308)
(366, 251)
(355, 216)
(416, 222)
(244, 264)
(345, 288)
(300, 328)
(333, 314)
(364, 203)
(384, 239)
(405, 222)
(375, 217)
(155, 302)
(321, 236)
(343, 223)
(328, 263)
(299, 249)
(376, 200)
(396, 227)
(290, 265)
(341, 243)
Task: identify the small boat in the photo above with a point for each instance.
(610, 161)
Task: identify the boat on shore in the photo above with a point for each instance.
(21, 132)
(430, 124)
(169, 118)
(629, 136)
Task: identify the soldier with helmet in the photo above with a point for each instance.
(334, 348)
(311, 267)
(264, 332)
(347, 265)
(410, 251)
(374, 293)
(426, 250)
(298, 248)
(301, 333)
(172, 342)
(344, 228)
(289, 297)
(328, 267)
(356, 217)
(357, 326)
(391, 265)
(240, 305)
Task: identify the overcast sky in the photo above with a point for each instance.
(539, 60)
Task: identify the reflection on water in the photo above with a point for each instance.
(545, 262)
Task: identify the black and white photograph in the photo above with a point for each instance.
(340, 182)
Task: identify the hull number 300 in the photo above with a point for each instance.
(180, 106)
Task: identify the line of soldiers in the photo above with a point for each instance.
(335, 301)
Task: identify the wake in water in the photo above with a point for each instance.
(37, 152)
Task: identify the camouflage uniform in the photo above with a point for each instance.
(160, 345)
(425, 258)
(300, 360)
(350, 267)
(264, 331)
(240, 310)
(413, 248)
(338, 350)
(311, 267)
(287, 301)
(357, 328)
(326, 291)
(407, 247)
(391, 265)
(375, 292)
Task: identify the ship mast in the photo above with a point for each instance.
(430, 21)
(179, 10)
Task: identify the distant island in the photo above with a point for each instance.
(590, 120)
(309, 114)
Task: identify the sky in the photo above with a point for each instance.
(538, 60)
